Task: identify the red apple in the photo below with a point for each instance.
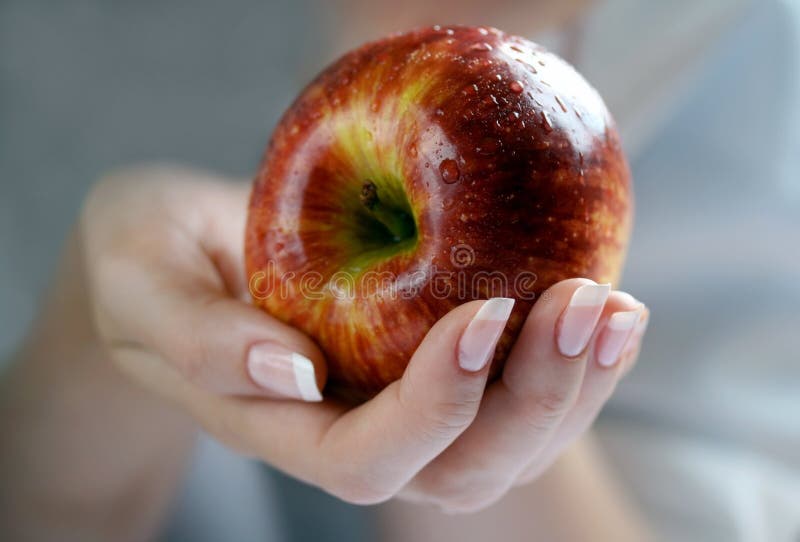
(425, 170)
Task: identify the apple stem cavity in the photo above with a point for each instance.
(399, 224)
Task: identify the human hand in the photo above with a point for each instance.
(163, 252)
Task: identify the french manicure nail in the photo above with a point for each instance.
(283, 372)
(478, 341)
(615, 336)
(580, 318)
(644, 319)
(639, 329)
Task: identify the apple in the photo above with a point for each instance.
(425, 170)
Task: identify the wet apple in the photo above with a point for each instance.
(425, 170)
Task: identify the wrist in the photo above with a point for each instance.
(85, 437)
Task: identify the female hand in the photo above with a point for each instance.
(163, 253)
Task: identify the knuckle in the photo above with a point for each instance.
(441, 418)
(447, 418)
(452, 415)
(110, 188)
(552, 402)
(125, 208)
(546, 408)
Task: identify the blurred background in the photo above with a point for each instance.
(705, 432)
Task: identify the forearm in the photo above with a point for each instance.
(85, 454)
(575, 500)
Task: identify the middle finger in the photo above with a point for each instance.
(520, 412)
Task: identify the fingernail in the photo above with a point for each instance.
(638, 331)
(634, 343)
(580, 318)
(282, 372)
(477, 344)
(615, 336)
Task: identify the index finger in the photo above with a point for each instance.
(367, 454)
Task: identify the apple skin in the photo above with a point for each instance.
(494, 146)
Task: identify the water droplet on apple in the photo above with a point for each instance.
(470, 90)
(482, 31)
(449, 32)
(541, 62)
(481, 47)
(561, 104)
(513, 119)
(527, 65)
(516, 87)
(449, 170)
(548, 126)
(517, 49)
(499, 76)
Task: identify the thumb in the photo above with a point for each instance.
(164, 260)
(215, 341)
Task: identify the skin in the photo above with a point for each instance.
(578, 484)
(148, 319)
(482, 140)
